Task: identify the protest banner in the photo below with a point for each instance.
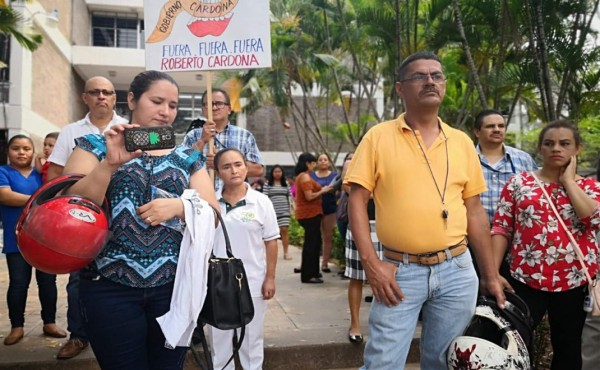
(209, 35)
(190, 35)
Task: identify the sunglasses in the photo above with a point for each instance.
(97, 92)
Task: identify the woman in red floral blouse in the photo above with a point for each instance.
(544, 268)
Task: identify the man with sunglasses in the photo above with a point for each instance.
(425, 180)
(100, 97)
(225, 134)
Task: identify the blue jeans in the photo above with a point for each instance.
(446, 293)
(74, 321)
(19, 277)
(121, 324)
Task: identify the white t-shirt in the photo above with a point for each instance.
(66, 139)
(248, 227)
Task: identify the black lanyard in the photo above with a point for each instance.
(442, 194)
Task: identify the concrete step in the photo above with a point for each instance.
(299, 357)
(306, 327)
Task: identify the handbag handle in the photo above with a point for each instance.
(227, 242)
(578, 251)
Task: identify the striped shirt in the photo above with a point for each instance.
(497, 175)
(231, 137)
(280, 197)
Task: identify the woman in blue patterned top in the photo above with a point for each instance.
(131, 281)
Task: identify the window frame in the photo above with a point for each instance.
(116, 16)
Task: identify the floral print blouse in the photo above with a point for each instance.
(539, 252)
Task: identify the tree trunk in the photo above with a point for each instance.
(533, 44)
(467, 49)
(542, 50)
(398, 52)
(462, 113)
(415, 24)
(336, 79)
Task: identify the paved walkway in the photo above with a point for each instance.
(306, 326)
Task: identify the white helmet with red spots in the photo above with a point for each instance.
(494, 339)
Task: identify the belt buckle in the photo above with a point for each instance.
(426, 255)
(423, 258)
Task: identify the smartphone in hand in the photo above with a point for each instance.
(149, 138)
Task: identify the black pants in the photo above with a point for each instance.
(311, 248)
(566, 317)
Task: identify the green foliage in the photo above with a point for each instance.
(338, 251)
(10, 25)
(510, 139)
(589, 128)
(590, 103)
(296, 233)
(529, 142)
(352, 45)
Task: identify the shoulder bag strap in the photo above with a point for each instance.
(571, 238)
(225, 235)
(238, 343)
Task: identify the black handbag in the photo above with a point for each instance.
(228, 304)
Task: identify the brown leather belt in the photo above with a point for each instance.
(432, 258)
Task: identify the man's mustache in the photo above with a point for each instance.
(427, 90)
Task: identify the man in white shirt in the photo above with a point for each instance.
(100, 97)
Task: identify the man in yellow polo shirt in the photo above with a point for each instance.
(425, 179)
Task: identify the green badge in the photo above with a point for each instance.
(154, 138)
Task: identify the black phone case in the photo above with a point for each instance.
(149, 138)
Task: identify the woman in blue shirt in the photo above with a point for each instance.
(130, 283)
(18, 181)
(325, 176)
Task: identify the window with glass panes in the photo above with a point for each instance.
(121, 106)
(117, 30)
(189, 108)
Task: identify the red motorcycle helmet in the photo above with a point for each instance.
(59, 235)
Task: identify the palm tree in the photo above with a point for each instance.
(10, 25)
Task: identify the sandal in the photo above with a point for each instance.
(355, 338)
(287, 257)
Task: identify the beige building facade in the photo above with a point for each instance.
(81, 39)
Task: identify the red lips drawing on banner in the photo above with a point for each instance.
(210, 18)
